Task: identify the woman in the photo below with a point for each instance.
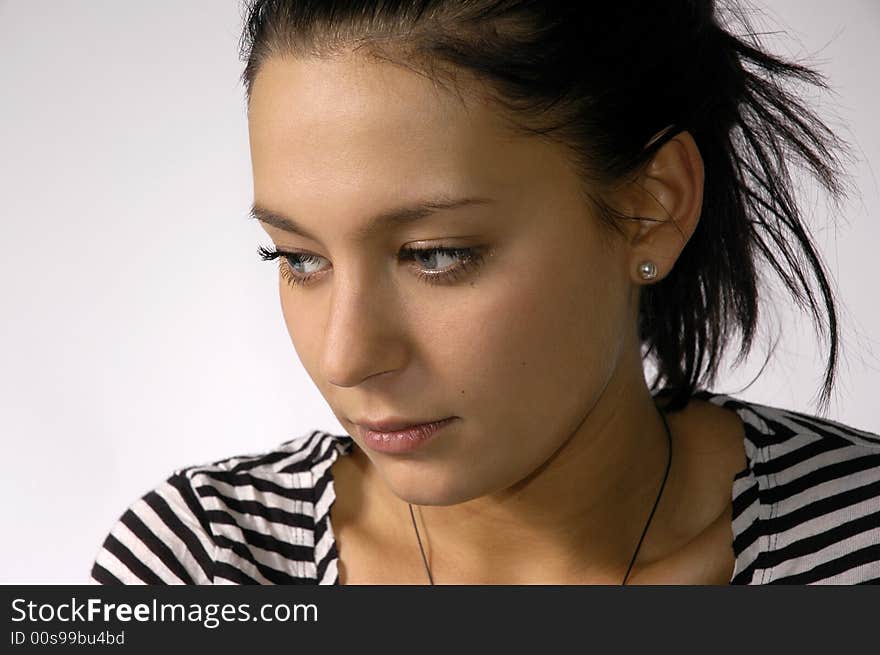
(488, 216)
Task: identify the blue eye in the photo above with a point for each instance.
(465, 260)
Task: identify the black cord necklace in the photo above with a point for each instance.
(644, 532)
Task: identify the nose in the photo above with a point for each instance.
(364, 333)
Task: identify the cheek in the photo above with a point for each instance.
(540, 344)
(304, 334)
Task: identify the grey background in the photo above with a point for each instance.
(141, 333)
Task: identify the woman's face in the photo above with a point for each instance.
(518, 343)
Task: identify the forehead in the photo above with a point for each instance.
(350, 131)
(342, 87)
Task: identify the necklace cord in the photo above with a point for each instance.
(424, 559)
(644, 531)
(656, 502)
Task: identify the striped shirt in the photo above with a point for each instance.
(806, 510)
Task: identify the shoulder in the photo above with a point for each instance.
(246, 519)
(300, 463)
(806, 507)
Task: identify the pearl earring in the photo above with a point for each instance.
(648, 270)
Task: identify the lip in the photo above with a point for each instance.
(394, 424)
(395, 436)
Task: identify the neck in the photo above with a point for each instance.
(579, 516)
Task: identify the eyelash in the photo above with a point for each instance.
(469, 258)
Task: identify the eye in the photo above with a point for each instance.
(464, 260)
(432, 263)
(289, 262)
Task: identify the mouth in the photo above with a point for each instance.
(397, 436)
(394, 424)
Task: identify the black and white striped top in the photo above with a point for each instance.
(806, 510)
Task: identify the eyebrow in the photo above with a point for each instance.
(392, 218)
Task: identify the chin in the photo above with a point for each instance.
(427, 489)
(434, 501)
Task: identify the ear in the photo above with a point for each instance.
(668, 197)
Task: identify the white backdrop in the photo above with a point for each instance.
(139, 330)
